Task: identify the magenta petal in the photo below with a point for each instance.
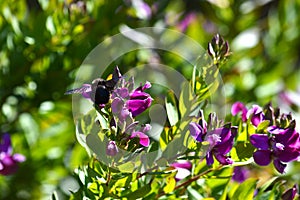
(262, 157)
(144, 139)
(19, 157)
(224, 160)
(146, 86)
(239, 107)
(260, 141)
(138, 106)
(279, 166)
(182, 164)
(139, 95)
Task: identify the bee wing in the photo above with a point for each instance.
(80, 90)
(116, 75)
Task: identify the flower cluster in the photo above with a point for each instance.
(220, 139)
(8, 160)
(183, 168)
(279, 141)
(127, 103)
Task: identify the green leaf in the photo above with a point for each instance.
(97, 146)
(139, 193)
(172, 111)
(127, 167)
(246, 189)
(193, 194)
(242, 151)
(185, 99)
(261, 128)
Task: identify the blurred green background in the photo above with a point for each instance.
(43, 43)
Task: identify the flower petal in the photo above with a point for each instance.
(209, 158)
(287, 155)
(196, 131)
(182, 173)
(144, 139)
(19, 157)
(240, 174)
(279, 166)
(117, 105)
(137, 106)
(290, 193)
(111, 148)
(224, 160)
(239, 107)
(182, 164)
(260, 141)
(262, 157)
(5, 145)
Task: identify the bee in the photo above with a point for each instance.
(99, 91)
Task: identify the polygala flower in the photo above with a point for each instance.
(135, 101)
(290, 193)
(255, 114)
(240, 174)
(8, 161)
(139, 100)
(220, 140)
(239, 107)
(144, 139)
(111, 148)
(280, 145)
(183, 169)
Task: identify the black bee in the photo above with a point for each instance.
(100, 88)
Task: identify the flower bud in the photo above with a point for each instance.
(111, 148)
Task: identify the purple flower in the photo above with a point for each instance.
(111, 148)
(183, 169)
(220, 141)
(144, 139)
(8, 160)
(135, 101)
(187, 20)
(239, 107)
(282, 145)
(139, 100)
(118, 108)
(143, 10)
(290, 193)
(256, 114)
(240, 174)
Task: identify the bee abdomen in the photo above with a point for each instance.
(101, 95)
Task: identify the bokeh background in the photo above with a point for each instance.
(43, 43)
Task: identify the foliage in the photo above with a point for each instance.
(43, 43)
